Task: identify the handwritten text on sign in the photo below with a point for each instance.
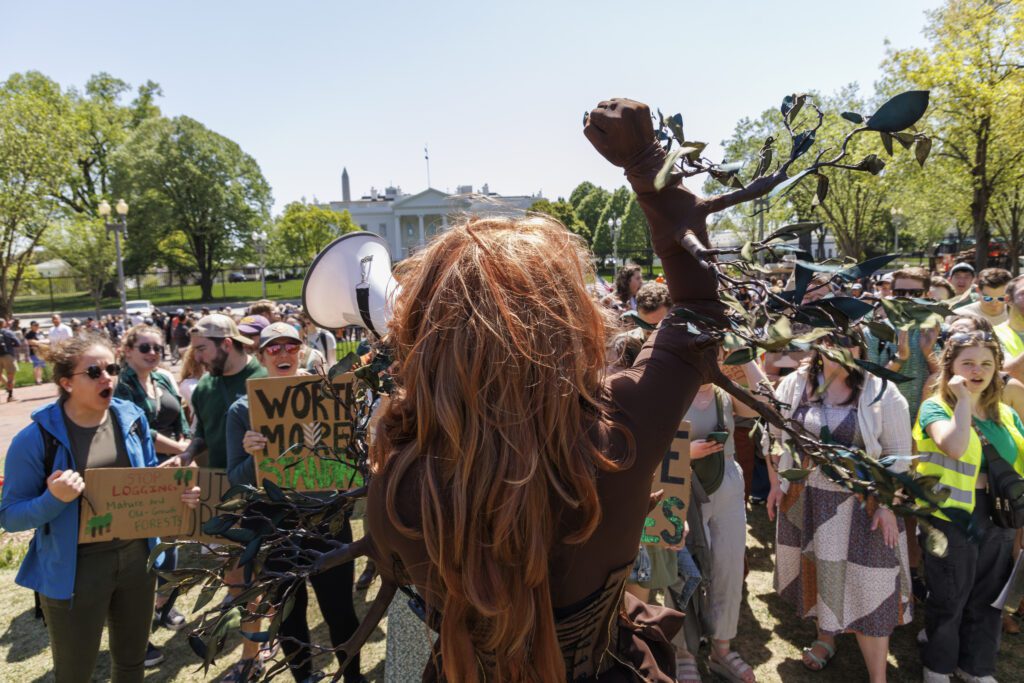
(135, 502)
(298, 410)
(664, 526)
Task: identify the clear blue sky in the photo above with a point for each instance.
(498, 90)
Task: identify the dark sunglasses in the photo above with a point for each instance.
(968, 337)
(146, 347)
(274, 349)
(95, 371)
(908, 292)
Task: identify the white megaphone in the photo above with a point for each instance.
(350, 283)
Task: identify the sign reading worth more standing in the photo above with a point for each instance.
(299, 417)
(135, 502)
(664, 524)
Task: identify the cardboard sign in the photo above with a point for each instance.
(213, 483)
(135, 502)
(664, 526)
(297, 416)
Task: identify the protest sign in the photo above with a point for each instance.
(213, 483)
(134, 502)
(306, 430)
(664, 525)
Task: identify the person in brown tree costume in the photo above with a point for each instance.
(510, 475)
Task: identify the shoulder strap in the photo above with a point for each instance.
(720, 410)
(49, 451)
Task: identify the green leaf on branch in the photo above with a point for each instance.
(900, 112)
(879, 371)
(788, 184)
(741, 356)
(792, 104)
(794, 230)
(794, 474)
(921, 149)
(872, 163)
(205, 596)
(801, 143)
(852, 117)
(821, 192)
(886, 142)
(865, 268)
(667, 175)
(905, 139)
(881, 330)
(747, 252)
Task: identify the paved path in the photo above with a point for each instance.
(15, 415)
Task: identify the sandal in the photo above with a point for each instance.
(245, 670)
(819, 662)
(730, 666)
(687, 671)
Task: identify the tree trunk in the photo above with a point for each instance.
(206, 284)
(981, 194)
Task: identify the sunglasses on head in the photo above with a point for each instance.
(146, 347)
(95, 371)
(968, 337)
(274, 349)
(989, 299)
(909, 292)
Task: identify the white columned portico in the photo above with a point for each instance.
(420, 217)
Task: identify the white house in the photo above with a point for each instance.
(54, 268)
(408, 221)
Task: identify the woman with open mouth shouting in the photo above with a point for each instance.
(82, 586)
(963, 420)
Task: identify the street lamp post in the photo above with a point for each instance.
(260, 241)
(614, 226)
(897, 219)
(120, 227)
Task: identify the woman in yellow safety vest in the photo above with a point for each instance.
(962, 627)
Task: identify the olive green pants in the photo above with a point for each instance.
(112, 587)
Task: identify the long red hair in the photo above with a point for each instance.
(500, 353)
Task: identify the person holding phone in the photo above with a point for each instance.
(713, 458)
(82, 587)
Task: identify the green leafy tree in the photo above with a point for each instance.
(83, 243)
(36, 142)
(563, 212)
(973, 67)
(186, 178)
(580, 193)
(614, 210)
(303, 230)
(634, 239)
(590, 209)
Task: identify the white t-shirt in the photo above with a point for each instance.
(59, 334)
(324, 342)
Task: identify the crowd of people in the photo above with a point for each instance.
(846, 562)
(849, 564)
(122, 403)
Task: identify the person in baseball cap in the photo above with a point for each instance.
(217, 326)
(961, 276)
(252, 325)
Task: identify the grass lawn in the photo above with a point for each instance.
(770, 635)
(161, 296)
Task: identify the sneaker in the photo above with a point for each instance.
(922, 637)
(153, 655)
(968, 678)
(366, 578)
(929, 676)
(171, 619)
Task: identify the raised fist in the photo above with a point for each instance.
(622, 131)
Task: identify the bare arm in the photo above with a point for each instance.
(953, 435)
(754, 376)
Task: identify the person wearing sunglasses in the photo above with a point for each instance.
(962, 627)
(279, 348)
(82, 587)
(990, 298)
(145, 384)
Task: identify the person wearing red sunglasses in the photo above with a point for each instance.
(279, 349)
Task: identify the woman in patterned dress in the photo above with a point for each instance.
(842, 560)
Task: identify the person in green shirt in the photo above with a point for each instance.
(217, 344)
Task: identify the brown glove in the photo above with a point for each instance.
(623, 132)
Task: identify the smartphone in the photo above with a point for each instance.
(719, 437)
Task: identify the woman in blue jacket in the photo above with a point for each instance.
(82, 587)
